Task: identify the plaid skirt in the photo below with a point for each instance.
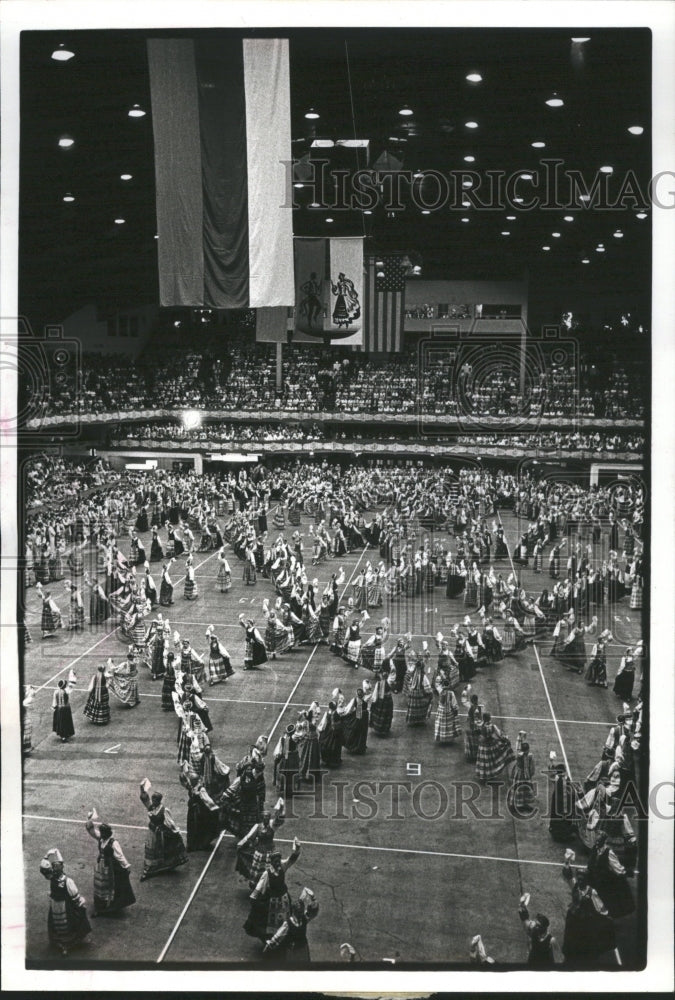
(76, 618)
(471, 738)
(51, 620)
(636, 596)
(164, 850)
(494, 754)
(255, 654)
(372, 657)
(219, 669)
(97, 710)
(184, 744)
(190, 591)
(381, 715)
(249, 572)
(419, 707)
(67, 923)
(224, 580)
(338, 639)
(446, 727)
(293, 516)
(352, 650)
(278, 641)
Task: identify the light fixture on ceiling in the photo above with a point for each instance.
(568, 218)
(62, 54)
(120, 222)
(510, 218)
(68, 196)
(526, 177)
(607, 170)
(469, 159)
(580, 40)
(314, 204)
(519, 200)
(380, 274)
(641, 215)
(156, 236)
(471, 124)
(379, 263)
(136, 111)
(466, 204)
(417, 270)
(465, 219)
(298, 184)
(556, 235)
(545, 248)
(312, 114)
(405, 111)
(538, 144)
(584, 197)
(329, 219)
(367, 211)
(418, 175)
(353, 143)
(426, 211)
(585, 260)
(618, 235)
(505, 232)
(125, 177)
(322, 144)
(635, 129)
(66, 141)
(555, 101)
(467, 184)
(474, 77)
(599, 249)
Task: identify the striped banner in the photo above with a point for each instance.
(329, 291)
(222, 130)
(384, 303)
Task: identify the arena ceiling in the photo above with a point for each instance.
(358, 82)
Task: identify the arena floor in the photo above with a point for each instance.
(400, 890)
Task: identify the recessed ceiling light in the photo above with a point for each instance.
(315, 204)
(469, 159)
(585, 260)
(120, 222)
(584, 197)
(526, 177)
(465, 219)
(311, 114)
(467, 184)
(366, 211)
(471, 124)
(62, 54)
(322, 144)
(580, 39)
(298, 184)
(568, 218)
(606, 170)
(156, 236)
(136, 111)
(425, 211)
(546, 248)
(641, 215)
(635, 129)
(405, 111)
(329, 219)
(474, 77)
(538, 144)
(66, 141)
(519, 201)
(618, 235)
(556, 235)
(125, 177)
(466, 204)
(599, 249)
(68, 197)
(505, 232)
(510, 218)
(555, 101)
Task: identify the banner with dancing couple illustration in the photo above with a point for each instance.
(329, 291)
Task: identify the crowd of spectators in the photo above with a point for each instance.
(339, 381)
(49, 479)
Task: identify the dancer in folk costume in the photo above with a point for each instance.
(355, 721)
(218, 665)
(249, 576)
(240, 806)
(522, 797)
(203, 820)
(270, 899)
(191, 663)
(339, 631)
(589, 929)
(123, 679)
(255, 849)
(372, 651)
(51, 616)
(541, 954)
(446, 661)
(331, 733)
(97, 708)
(562, 809)
(352, 646)
(279, 638)
(573, 654)
(256, 653)
(446, 726)
(156, 550)
(150, 588)
(67, 922)
(494, 750)
(596, 675)
(190, 591)
(169, 681)
(625, 677)
(158, 643)
(286, 763)
(307, 739)
(76, 610)
(381, 702)
(166, 586)
(224, 578)
(62, 723)
(417, 689)
(609, 878)
(288, 945)
(112, 888)
(164, 847)
(27, 722)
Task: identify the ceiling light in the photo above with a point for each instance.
(379, 263)
(556, 235)
(380, 274)
(474, 77)
(539, 144)
(568, 218)
(584, 197)
(635, 129)
(641, 215)
(519, 201)
(471, 124)
(312, 114)
(599, 249)
(66, 141)
(68, 197)
(322, 144)
(505, 232)
(467, 184)
(354, 143)
(125, 177)
(469, 159)
(526, 177)
(329, 219)
(580, 39)
(418, 175)
(510, 218)
(618, 235)
(120, 222)
(585, 260)
(298, 184)
(545, 248)
(465, 219)
(156, 236)
(555, 101)
(405, 111)
(315, 204)
(466, 204)
(62, 54)
(136, 112)
(606, 170)
(366, 211)
(425, 211)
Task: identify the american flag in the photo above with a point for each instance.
(384, 300)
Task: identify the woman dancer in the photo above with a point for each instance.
(381, 703)
(164, 847)
(625, 678)
(307, 738)
(331, 736)
(166, 586)
(67, 923)
(256, 653)
(203, 822)
(270, 899)
(190, 591)
(521, 796)
(112, 888)
(62, 723)
(355, 721)
(51, 616)
(218, 665)
(254, 851)
(97, 708)
(446, 728)
(494, 751)
(417, 689)
(124, 680)
(224, 578)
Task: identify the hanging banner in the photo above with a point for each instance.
(329, 291)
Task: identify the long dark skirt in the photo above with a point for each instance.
(381, 715)
(63, 722)
(112, 887)
(202, 825)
